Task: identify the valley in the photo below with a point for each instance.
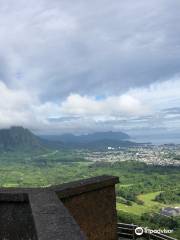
(140, 183)
(149, 174)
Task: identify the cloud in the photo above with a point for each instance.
(57, 46)
(18, 107)
(110, 106)
(67, 66)
(136, 108)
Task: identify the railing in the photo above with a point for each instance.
(128, 231)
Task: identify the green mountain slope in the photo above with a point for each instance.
(19, 139)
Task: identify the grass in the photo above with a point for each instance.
(126, 185)
(148, 198)
(149, 205)
(56, 167)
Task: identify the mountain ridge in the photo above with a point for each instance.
(97, 136)
(17, 138)
(21, 139)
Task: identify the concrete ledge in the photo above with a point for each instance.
(83, 186)
(70, 188)
(52, 219)
(92, 203)
(79, 210)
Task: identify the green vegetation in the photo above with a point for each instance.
(148, 204)
(140, 194)
(169, 197)
(19, 139)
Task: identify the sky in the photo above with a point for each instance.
(85, 66)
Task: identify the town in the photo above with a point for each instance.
(164, 155)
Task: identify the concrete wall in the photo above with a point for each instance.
(79, 210)
(93, 206)
(95, 213)
(16, 221)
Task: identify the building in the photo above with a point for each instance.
(171, 211)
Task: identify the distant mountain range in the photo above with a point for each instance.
(98, 140)
(87, 138)
(21, 139)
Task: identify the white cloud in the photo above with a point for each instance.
(139, 107)
(111, 106)
(57, 56)
(161, 94)
(19, 107)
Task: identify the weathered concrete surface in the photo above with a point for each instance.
(16, 221)
(52, 219)
(38, 213)
(95, 212)
(85, 185)
(92, 202)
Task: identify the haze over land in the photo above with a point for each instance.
(78, 67)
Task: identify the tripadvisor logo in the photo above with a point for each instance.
(139, 231)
